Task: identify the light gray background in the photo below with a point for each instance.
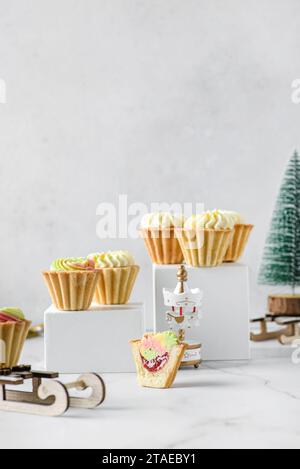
(163, 100)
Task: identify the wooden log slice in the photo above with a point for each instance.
(285, 305)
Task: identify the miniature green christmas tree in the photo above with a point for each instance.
(281, 259)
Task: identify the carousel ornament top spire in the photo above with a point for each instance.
(184, 303)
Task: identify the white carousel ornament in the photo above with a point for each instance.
(184, 313)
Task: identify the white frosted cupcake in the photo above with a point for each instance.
(205, 238)
(118, 272)
(240, 237)
(158, 231)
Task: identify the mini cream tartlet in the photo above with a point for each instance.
(157, 358)
(117, 272)
(205, 238)
(14, 329)
(71, 283)
(240, 237)
(158, 231)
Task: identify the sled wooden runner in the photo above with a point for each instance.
(294, 327)
(48, 396)
(288, 332)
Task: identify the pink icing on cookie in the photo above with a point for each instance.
(149, 342)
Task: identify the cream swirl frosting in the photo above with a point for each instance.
(72, 263)
(162, 220)
(236, 217)
(110, 259)
(210, 220)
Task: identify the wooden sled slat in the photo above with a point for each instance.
(287, 334)
(48, 396)
(50, 388)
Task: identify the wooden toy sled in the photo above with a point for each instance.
(48, 397)
(288, 332)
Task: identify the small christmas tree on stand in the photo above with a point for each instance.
(281, 259)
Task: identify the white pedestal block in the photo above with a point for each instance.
(224, 328)
(95, 340)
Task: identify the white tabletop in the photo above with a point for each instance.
(221, 405)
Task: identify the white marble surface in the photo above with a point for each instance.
(222, 405)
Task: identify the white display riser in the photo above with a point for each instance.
(224, 328)
(92, 341)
